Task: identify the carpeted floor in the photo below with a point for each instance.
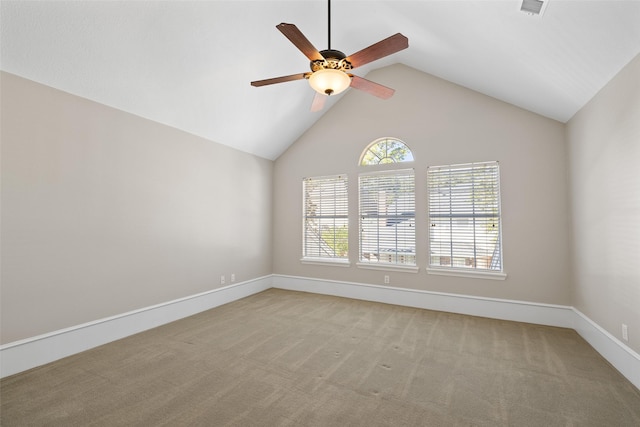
(282, 358)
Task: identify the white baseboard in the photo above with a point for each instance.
(29, 353)
(519, 311)
(21, 355)
(625, 360)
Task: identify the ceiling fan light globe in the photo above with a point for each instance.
(329, 81)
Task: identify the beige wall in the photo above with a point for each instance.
(604, 157)
(443, 124)
(104, 212)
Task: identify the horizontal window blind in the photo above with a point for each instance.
(464, 216)
(387, 218)
(325, 217)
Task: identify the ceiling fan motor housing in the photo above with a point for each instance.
(333, 59)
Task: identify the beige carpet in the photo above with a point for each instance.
(282, 358)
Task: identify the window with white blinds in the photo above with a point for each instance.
(325, 218)
(387, 218)
(464, 216)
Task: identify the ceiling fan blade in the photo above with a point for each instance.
(282, 79)
(372, 88)
(296, 37)
(318, 102)
(383, 48)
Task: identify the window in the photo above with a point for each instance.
(325, 232)
(387, 218)
(386, 150)
(464, 217)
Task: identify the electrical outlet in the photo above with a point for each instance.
(386, 279)
(222, 279)
(625, 332)
(233, 277)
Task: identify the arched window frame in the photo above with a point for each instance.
(386, 152)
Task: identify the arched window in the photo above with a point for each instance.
(387, 207)
(386, 150)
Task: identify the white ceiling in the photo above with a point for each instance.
(189, 64)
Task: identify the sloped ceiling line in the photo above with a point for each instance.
(189, 64)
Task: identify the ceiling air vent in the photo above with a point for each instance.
(533, 7)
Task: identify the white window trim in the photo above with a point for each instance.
(471, 272)
(387, 267)
(477, 274)
(335, 262)
(381, 265)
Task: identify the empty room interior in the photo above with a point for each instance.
(436, 221)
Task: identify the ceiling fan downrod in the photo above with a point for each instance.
(329, 25)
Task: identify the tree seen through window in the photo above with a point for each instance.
(386, 150)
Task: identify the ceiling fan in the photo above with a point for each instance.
(330, 68)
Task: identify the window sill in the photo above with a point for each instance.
(326, 261)
(387, 267)
(491, 275)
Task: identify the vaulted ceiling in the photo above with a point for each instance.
(188, 64)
